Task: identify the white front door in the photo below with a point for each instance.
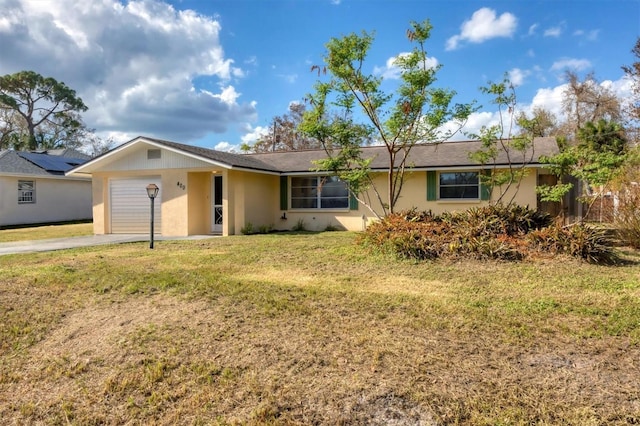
(216, 204)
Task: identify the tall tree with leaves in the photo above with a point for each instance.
(596, 159)
(42, 111)
(414, 114)
(510, 141)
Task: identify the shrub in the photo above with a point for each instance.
(492, 232)
(627, 214)
(247, 229)
(586, 242)
(265, 229)
(299, 226)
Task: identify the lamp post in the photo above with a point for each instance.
(152, 192)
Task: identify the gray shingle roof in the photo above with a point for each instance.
(235, 160)
(425, 156)
(13, 162)
(422, 156)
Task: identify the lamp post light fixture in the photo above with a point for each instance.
(152, 192)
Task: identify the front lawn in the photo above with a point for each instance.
(285, 329)
(44, 232)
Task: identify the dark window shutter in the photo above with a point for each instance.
(432, 186)
(284, 192)
(353, 202)
(485, 190)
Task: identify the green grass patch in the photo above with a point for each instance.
(44, 232)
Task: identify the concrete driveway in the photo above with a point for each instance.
(91, 240)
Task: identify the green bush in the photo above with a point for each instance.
(247, 229)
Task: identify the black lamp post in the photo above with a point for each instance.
(152, 192)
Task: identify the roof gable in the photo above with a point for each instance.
(200, 157)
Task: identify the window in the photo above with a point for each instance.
(319, 192)
(459, 185)
(26, 191)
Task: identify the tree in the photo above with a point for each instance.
(633, 72)
(510, 141)
(596, 159)
(543, 122)
(284, 135)
(95, 145)
(414, 114)
(39, 111)
(587, 101)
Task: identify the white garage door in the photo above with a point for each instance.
(131, 207)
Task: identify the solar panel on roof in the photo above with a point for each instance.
(51, 163)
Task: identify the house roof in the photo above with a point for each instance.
(234, 160)
(218, 158)
(422, 156)
(37, 163)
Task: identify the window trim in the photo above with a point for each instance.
(440, 186)
(21, 192)
(318, 196)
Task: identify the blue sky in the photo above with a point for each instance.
(215, 73)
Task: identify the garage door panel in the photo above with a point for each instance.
(131, 207)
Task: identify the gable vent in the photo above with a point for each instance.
(153, 154)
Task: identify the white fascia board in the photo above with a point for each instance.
(246, 169)
(423, 169)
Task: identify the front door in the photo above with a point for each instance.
(216, 204)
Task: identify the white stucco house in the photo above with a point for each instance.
(34, 188)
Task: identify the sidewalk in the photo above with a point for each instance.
(91, 240)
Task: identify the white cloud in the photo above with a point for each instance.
(289, 78)
(392, 72)
(571, 63)
(133, 64)
(517, 76)
(228, 95)
(484, 25)
(532, 29)
(253, 134)
(225, 146)
(549, 99)
(553, 32)
(587, 35)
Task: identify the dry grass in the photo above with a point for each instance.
(311, 329)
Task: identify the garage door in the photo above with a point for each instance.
(131, 207)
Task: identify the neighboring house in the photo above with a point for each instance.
(34, 188)
(203, 191)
